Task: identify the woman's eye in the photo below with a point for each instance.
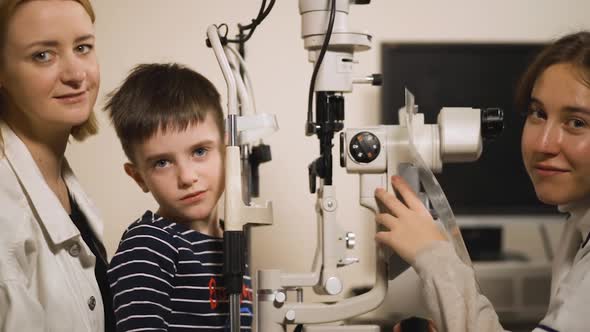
(44, 56)
(537, 114)
(200, 152)
(576, 123)
(161, 163)
(83, 49)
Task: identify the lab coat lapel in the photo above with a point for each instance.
(85, 205)
(564, 257)
(51, 214)
(574, 231)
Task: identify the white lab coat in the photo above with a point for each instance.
(455, 304)
(47, 280)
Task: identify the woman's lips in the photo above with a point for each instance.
(72, 98)
(548, 170)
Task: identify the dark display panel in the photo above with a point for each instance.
(468, 75)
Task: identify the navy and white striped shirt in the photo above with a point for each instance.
(168, 277)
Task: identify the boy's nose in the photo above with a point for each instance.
(187, 176)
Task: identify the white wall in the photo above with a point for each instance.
(137, 31)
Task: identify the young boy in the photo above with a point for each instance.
(167, 272)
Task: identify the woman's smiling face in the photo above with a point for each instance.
(556, 135)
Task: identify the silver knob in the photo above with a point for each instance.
(333, 286)
(280, 297)
(290, 315)
(350, 240)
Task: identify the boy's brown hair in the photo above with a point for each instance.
(161, 96)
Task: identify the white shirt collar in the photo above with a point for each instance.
(580, 214)
(49, 210)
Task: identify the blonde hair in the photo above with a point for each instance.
(7, 9)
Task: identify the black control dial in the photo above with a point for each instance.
(492, 122)
(364, 147)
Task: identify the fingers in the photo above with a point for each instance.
(389, 222)
(384, 238)
(410, 198)
(390, 202)
(431, 327)
(386, 220)
(397, 328)
(393, 204)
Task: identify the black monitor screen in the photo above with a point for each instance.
(468, 75)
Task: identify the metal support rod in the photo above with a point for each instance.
(232, 130)
(234, 303)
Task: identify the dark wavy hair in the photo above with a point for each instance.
(573, 49)
(161, 96)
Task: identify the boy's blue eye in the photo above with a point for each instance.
(161, 163)
(200, 152)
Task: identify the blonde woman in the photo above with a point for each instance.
(52, 261)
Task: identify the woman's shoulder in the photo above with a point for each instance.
(17, 230)
(10, 187)
(15, 207)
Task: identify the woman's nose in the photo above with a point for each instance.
(73, 72)
(549, 139)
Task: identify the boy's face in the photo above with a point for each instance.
(184, 171)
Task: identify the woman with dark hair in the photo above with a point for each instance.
(555, 92)
(52, 261)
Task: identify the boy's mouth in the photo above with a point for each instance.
(193, 196)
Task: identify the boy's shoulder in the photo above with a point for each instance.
(152, 224)
(151, 234)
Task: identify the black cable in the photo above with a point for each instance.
(262, 14)
(318, 64)
(259, 20)
(222, 25)
(268, 9)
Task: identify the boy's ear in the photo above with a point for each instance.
(132, 171)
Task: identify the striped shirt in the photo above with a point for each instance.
(168, 277)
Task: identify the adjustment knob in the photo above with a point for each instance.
(290, 315)
(280, 297)
(364, 147)
(350, 240)
(492, 122)
(333, 286)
